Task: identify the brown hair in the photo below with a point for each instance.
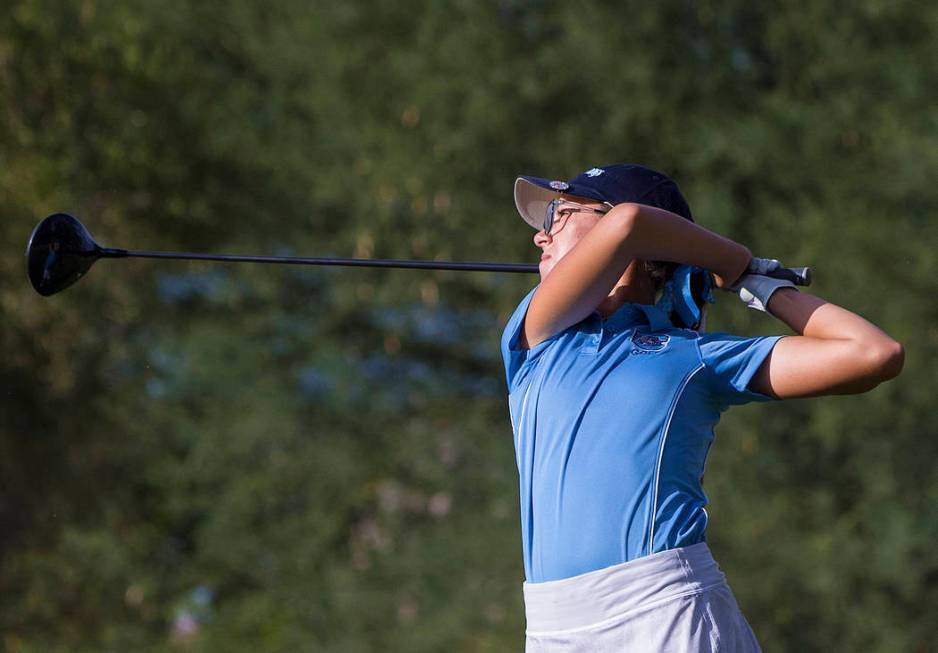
(659, 272)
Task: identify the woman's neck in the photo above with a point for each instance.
(635, 287)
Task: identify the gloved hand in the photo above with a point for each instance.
(754, 288)
(762, 265)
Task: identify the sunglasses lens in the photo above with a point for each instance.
(549, 218)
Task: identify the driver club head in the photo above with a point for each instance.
(59, 252)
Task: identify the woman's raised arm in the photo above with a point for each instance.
(838, 352)
(589, 271)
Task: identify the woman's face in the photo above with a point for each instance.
(571, 223)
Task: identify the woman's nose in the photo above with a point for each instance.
(541, 238)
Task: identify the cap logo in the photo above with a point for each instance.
(559, 185)
(594, 172)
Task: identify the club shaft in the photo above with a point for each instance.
(798, 276)
(348, 262)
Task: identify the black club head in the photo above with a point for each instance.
(60, 251)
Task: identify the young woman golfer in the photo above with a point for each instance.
(614, 394)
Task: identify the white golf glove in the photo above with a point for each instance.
(755, 288)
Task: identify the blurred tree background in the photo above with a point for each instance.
(237, 458)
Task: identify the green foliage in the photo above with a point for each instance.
(223, 459)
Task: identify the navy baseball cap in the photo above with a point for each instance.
(612, 184)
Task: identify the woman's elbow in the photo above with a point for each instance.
(886, 361)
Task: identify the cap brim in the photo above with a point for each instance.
(532, 195)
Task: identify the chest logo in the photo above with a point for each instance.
(645, 342)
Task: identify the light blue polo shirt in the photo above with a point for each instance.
(612, 422)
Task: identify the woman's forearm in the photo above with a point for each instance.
(814, 317)
(657, 235)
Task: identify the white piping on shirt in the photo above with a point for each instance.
(664, 439)
(516, 426)
(524, 408)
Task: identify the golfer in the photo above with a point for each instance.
(614, 391)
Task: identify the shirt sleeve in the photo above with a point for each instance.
(513, 354)
(732, 361)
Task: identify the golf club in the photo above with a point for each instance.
(61, 250)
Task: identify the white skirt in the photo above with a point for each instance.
(675, 601)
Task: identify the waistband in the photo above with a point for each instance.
(611, 593)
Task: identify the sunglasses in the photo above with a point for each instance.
(555, 214)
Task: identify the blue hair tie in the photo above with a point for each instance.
(677, 294)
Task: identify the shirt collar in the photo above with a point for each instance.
(630, 315)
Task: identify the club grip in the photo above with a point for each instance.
(798, 276)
